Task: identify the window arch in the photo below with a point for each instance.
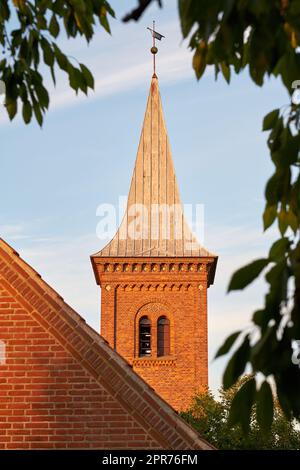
(144, 337)
(163, 336)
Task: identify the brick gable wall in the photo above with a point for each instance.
(61, 385)
(48, 400)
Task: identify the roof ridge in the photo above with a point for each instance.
(36, 275)
(94, 353)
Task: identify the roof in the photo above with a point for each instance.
(154, 223)
(96, 356)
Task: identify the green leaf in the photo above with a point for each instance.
(61, 59)
(241, 406)
(228, 343)
(270, 120)
(42, 95)
(258, 317)
(48, 53)
(199, 60)
(269, 215)
(278, 249)
(41, 22)
(290, 147)
(38, 113)
(236, 364)
(244, 276)
(283, 221)
(186, 19)
(109, 9)
(278, 277)
(27, 112)
(278, 185)
(24, 49)
(263, 350)
(12, 108)
(76, 79)
(288, 386)
(225, 71)
(293, 220)
(53, 74)
(87, 76)
(103, 19)
(274, 139)
(54, 26)
(264, 407)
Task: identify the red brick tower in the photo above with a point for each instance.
(154, 275)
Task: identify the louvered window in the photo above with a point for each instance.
(144, 337)
(163, 336)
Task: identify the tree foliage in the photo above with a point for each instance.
(264, 38)
(28, 36)
(212, 418)
(230, 36)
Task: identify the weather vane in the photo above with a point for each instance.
(154, 50)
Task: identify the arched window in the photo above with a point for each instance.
(163, 336)
(144, 337)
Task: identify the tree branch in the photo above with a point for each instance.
(139, 10)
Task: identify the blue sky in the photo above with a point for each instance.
(53, 180)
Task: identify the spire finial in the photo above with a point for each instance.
(154, 50)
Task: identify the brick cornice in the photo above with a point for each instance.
(180, 268)
(91, 350)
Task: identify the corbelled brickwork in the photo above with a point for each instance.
(62, 386)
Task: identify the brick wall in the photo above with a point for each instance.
(170, 288)
(48, 400)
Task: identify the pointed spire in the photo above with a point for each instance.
(154, 222)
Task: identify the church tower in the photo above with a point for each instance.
(154, 275)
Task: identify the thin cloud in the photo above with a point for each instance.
(121, 63)
(173, 68)
(13, 232)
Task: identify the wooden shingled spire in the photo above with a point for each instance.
(154, 222)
